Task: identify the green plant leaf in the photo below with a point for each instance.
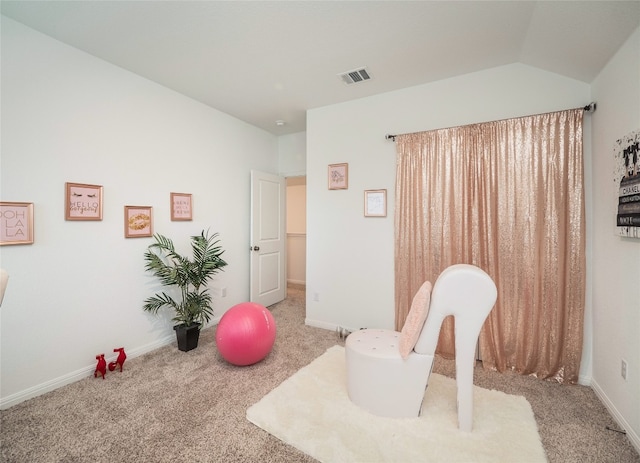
(189, 275)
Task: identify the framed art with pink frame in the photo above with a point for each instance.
(16, 223)
(181, 206)
(138, 221)
(338, 176)
(83, 201)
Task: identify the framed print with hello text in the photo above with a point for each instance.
(83, 201)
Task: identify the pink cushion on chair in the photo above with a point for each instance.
(415, 320)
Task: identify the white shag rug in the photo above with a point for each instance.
(312, 412)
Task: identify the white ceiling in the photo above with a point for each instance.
(263, 61)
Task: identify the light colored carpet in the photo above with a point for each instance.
(169, 406)
(312, 412)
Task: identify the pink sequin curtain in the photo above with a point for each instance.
(508, 197)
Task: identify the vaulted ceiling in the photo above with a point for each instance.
(268, 61)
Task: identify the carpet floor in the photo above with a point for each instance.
(172, 406)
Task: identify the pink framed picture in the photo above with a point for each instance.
(83, 201)
(181, 206)
(16, 223)
(138, 221)
(338, 176)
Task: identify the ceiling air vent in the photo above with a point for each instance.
(355, 76)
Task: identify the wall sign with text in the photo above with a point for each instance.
(181, 206)
(627, 179)
(16, 223)
(83, 202)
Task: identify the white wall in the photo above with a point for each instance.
(292, 152)
(78, 290)
(616, 260)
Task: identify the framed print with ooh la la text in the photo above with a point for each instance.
(181, 206)
(138, 221)
(83, 202)
(16, 223)
(339, 176)
(375, 203)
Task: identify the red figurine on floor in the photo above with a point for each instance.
(101, 367)
(120, 360)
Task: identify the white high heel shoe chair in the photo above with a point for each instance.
(388, 371)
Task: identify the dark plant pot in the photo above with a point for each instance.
(187, 336)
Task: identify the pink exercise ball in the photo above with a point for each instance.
(246, 333)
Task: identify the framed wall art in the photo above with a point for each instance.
(627, 181)
(83, 202)
(138, 221)
(339, 176)
(181, 206)
(16, 223)
(375, 203)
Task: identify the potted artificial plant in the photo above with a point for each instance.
(193, 308)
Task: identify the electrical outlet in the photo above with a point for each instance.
(223, 292)
(316, 297)
(623, 369)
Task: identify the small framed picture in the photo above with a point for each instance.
(375, 203)
(83, 202)
(16, 223)
(138, 221)
(181, 206)
(338, 176)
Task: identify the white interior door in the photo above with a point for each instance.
(268, 238)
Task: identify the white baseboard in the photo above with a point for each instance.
(214, 321)
(319, 324)
(631, 434)
(329, 326)
(48, 386)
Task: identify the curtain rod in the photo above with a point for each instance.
(591, 107)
